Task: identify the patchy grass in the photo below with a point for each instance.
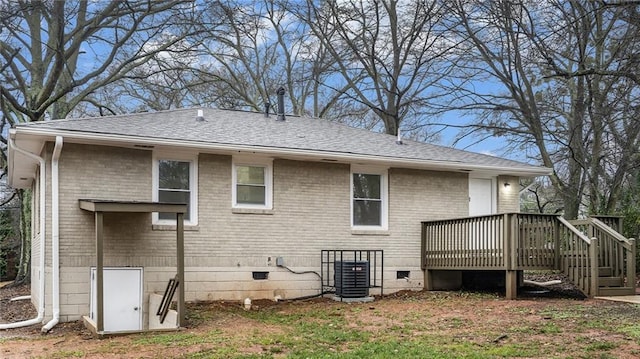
(406, 325)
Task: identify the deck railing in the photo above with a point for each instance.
(616, 252)
(508, 241)
(472, 243)
(579, 257)
(537, 241)
(615, 222)
(511, 241)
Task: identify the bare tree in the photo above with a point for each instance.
(245, 51)
(388, 54)
(56, 54)
(605, 66)
(577, 125)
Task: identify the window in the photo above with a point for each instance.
(369, 203)
(174, 181)
(252, 185)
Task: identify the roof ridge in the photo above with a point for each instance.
(146, 113)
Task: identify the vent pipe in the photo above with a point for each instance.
(280, 104)
(399, 139)
(200, 116)
(266, 109)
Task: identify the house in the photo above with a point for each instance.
(268, 203)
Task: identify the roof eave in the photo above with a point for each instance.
(144, 142)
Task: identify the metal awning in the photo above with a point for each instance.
(99, 207)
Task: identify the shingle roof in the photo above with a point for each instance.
(230, 127)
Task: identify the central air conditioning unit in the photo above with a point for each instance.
(351, 279)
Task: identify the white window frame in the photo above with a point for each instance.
(384, 195)
(267, 164)
(193, 185)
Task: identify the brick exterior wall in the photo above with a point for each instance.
(508, 196)
(311, 212)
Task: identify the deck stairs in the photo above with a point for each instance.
(615, 255)
(610, 285)
(591, 252)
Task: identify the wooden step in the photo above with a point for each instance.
(605, 272)
(612, 292)
(610, 281)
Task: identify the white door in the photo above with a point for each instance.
(122, 303)
(481, 197)
(481, 203)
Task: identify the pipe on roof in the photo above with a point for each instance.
(280, 93)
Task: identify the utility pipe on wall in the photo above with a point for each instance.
(41, 275)
(55, 236)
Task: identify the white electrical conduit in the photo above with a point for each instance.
(41, 275)
(24, 297)
(55, 236)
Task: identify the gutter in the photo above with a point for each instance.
(55, 235)
(526, 188)
(42, 194)
(321, 155)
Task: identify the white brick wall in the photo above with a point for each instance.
(508, 196)
(311, 212)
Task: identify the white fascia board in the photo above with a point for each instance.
(294, 153)
(24, 170)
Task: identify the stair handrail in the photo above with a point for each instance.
(627, 243)
(575, 230)
(586, 278)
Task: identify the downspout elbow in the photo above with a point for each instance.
(52, 323)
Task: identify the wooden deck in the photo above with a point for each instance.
(591, 253)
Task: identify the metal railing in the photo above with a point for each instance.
(333, 282)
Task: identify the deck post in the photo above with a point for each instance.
(556, 244)
(593, 275)
(423, 247)
(631, 265)
(511, 243)
(428, 280)
(99, 224)
(180, 265)
(514, 234)
(511, 284)
(506, 240)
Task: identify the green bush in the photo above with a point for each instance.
(6, 237)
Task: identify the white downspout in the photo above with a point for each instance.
(42, 194)
(55, 236)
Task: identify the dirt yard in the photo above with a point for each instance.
(540, 324)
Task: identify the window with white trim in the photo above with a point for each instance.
(252, 184)
(369, 199)
(175, 181)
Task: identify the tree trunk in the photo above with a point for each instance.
(24, 267)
